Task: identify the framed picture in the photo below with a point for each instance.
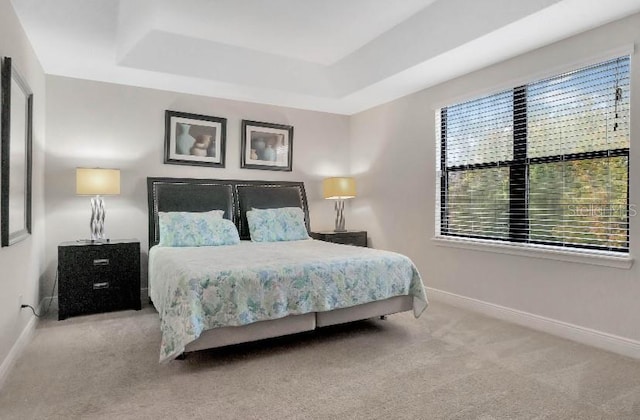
(192, 139)
(16, 122)
(266, 146)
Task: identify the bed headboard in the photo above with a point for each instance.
(235, 197)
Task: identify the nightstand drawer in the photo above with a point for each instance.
(85, 282)
(357, 238)
(98, 258)
(88, 301)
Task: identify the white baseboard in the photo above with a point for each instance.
(590, 337)
(16, 350)
(50, 303)
(24, 338)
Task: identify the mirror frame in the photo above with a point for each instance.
(9, 74)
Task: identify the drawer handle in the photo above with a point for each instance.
(103, 285)
(102, 261)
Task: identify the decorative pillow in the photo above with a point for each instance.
(273, 225)
(196, 229)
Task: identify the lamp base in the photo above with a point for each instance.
(339, 206)
(97, 218)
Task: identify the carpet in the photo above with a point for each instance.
(449, 364)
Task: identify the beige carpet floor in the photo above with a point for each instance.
(449, 364)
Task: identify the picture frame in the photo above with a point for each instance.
(16, 132)
(193, 139)
(266, 146)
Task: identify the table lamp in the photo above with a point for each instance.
(339, 189)
(97, 182)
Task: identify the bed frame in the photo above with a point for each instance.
(235, 197)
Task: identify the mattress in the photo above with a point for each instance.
(196, 289)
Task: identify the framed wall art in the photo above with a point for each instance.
(16, 130)
(192, 139)
(266, 146)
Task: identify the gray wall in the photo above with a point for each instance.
(95, 124)
(22, 263)
(393, 158)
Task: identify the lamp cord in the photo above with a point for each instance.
(50, 300)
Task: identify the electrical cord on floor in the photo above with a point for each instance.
(50, 300)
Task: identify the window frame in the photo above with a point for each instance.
(519, 230)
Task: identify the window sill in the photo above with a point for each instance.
(594, 257)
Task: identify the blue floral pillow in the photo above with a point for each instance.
(196, 229)
(273, 225)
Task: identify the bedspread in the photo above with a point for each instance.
(196, 289)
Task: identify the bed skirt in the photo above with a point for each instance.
(225, 336)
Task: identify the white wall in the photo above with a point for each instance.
(99, 124)
(393, 157)
(22, 264)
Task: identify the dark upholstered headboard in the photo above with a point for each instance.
(235, 197)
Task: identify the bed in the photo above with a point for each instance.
(214, 296)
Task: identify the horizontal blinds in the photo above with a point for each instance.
(580, 112)
(543, 163)
(580, 202)
(478, 203)
(480, 131)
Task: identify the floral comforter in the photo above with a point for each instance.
(196, 289)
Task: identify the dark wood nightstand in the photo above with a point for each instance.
(350, 237)
(98, 277)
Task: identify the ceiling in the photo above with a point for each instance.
(327, 55)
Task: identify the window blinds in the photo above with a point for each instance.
(546, 162)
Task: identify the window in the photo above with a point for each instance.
(543, 163)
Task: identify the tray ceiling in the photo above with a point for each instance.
(330, 55)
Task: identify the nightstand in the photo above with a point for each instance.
(350, 237)
(98, 277)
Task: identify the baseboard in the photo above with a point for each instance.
(590, 337)
(25, 337)
(16, 350)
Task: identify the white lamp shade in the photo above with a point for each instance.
(339, 188)
(97, 181)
